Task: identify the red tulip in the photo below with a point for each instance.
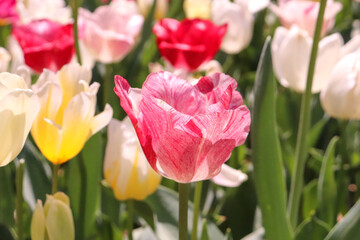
(186, 131)
(189, 43)
(46, 44)
(8, 12)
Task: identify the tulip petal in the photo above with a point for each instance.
(38, 222)
(101, 120)
(59, 214)
(229, 177)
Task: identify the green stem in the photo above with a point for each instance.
(82, 203)
(130, 215)
(75, 7)
(56, 168)
(19, 198)
(197, 198)
(183, 210)
(106, 84)
(304, 124)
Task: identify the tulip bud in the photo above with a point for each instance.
(54, 221)
(126, 168)
(18, 109)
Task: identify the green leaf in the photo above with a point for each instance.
(164, 202)
(143, 210)
(204, 231)
(7, 194)
(92, 156)
(348, 228)
(5, 233)
(268, 169)
(327, 186)
(316, 130)
(310, 201)
(312, 228)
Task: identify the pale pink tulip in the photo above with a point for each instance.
(303, 13)
(186, 131)
(110, 32)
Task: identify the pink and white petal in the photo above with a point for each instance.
(176, 92)
(229, 177)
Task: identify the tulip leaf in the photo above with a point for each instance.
(92, 156)
(327, 186)
(315, 131)
(312, 228)
(144, 210)
(204, 231)
(268, 169)
(165, 203)
(36, 180)
(7, 202)
(348, 227)
(310, 201)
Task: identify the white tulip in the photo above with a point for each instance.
(291, 54)
(18, 109)
(340, 97)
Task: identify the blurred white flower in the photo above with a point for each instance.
(291, 54)
(4, 59)
(340, 97)
(54, 10)
(229, 177)
(197, 9)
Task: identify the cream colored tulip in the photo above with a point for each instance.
(54, 220)
(239, 20)
(291, 54)
(161, 7)
(126, 168)
(18, 109)
(4, 59)
(197, 9)
(66, 119)
(340, 97)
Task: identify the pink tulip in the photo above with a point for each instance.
(303, 13)
(8, 12)
(110, 31)
(186, 131)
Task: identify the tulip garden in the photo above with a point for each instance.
(182, 119)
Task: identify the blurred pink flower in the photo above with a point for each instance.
(45, 44)
(110, 32)
(186, 131)
(8, 12)
(303, 13)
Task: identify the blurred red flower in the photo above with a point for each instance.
(45, 44)
(189, 43)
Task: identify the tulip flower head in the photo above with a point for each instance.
(54, 220)
(189, 43)
(291, 53)
(125, 167)
(340, 97)
(66, 119)
(45, 44)
(8, 12)
(186, 131)
(110, 31)
(303, 13)
(18, 109)
(197, 9)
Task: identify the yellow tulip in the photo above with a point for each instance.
(126, 168)
(161, 8)
(18, 109)
(54, 221)
(66, 119)
(197, 9)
